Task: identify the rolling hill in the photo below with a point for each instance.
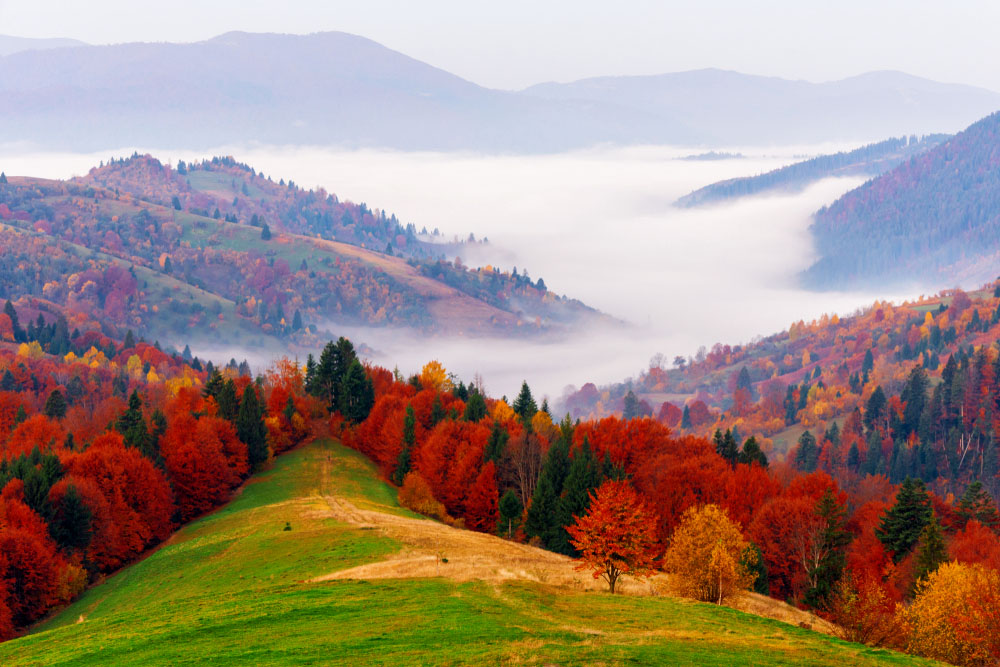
(934, 220)
(217, 252)
(10, 44)
(278, 576)
(239, 88)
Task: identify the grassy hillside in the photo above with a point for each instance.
(256, 253)
(236, 587)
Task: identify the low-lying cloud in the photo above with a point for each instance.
(597, 225)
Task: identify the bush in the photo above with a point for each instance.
(415, 494)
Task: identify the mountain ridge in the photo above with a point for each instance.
(242, 87)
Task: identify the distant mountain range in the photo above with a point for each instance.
(340, 89)
(9, 44)
(933, 221)
(870, 160)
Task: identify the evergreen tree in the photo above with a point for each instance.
(437, 411)
(357, 393)
(228, 404)
(833, 541)
(409, 439)
(977, 504)
(250, 428)
(853, 458)
(70, 522)
(875, 408)
(55, 405)
(631, 410)
(310, 380)
(475, 408)
(265, 232)
(496, 445)
(510, 512)
(730, 448)
(543, 513)
(7, 382)
(524, 405)
(759, 567)
(334, 361)
(214, 385)
(752, 453)
(583, 477)
(11, 312)
(297, 320)
(132, 425)
(686, 418)
(130, 343)
(807, 455)
(931, 550)
(902, 524)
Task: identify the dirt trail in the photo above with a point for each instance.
(437, 550)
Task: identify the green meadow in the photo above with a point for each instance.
(233, 588)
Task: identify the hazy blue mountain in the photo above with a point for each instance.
(240, 88)
(934, 220)
(871, 160)
(733, 108)
(9, 44)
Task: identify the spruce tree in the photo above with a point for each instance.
(524, 405)
(510, 512)
(752, 453)
(475, 408)
(70, 522)
(130, 342)
(902, 524)
(132, 425)
(228, 404)
(583, 477)
(55, 405)
(977, 504)
(807, 455)
(686, 418)
(250, 428)
(409, 439)
(631, 409)
(543, 514)
(833, 541)
(496, 445)
(357, 394)
(7, 382)
(931, 550)
(214, 385)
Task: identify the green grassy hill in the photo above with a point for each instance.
(236, 587)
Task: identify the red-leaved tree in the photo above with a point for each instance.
(617, 535)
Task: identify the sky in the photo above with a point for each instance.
(516, 43)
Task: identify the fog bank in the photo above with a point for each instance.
(597, 225)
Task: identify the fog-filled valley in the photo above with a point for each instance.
(597, 225)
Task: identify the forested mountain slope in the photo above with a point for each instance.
(934, 220)
(216, 250)
(870, 160)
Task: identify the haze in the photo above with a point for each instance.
(518, 43)
(597, 225)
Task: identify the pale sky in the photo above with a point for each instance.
(515, 43)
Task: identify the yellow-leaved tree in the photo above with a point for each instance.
(955, 615)
(708, 558)
(433, 375)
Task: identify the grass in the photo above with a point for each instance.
(234, 588)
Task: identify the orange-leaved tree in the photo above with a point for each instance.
(617, 535)
(709, 559)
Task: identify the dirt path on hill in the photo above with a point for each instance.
(436, 550)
